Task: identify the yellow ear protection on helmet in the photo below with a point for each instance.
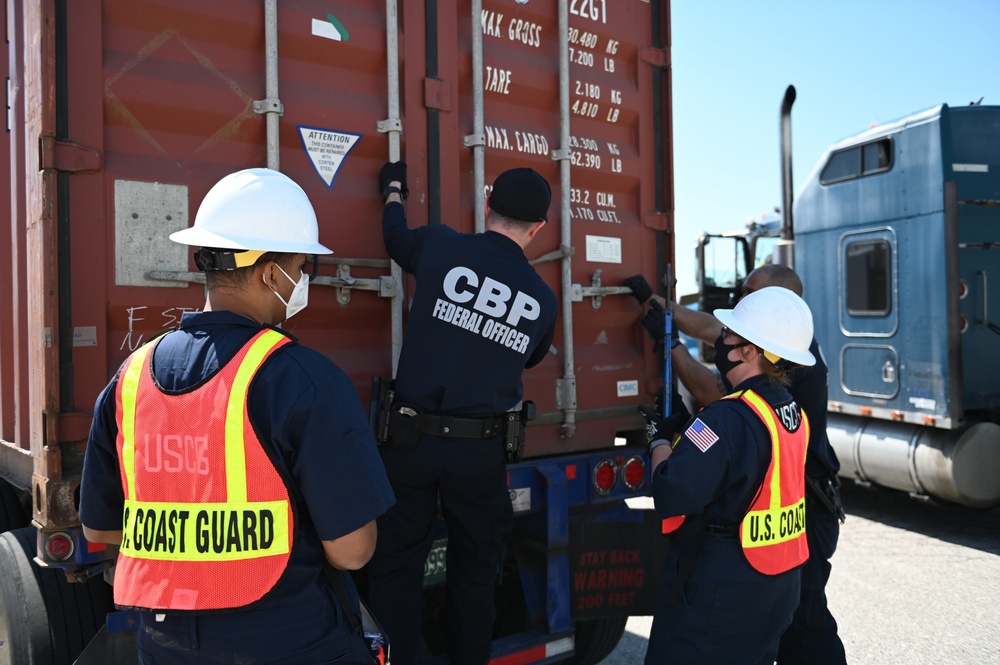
(208, 258)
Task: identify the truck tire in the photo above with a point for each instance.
(596, 639)
(13, 514)
(59, 618)
(24, 623)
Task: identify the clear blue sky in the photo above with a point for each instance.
(852, 63)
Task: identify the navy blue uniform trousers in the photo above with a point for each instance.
(470, 477)
(727, 613)
(812, 638)
(185, 640)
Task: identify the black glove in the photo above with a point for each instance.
(677, 404)
(390, 172)
(656, 325)
(640, 288)
(662, 429)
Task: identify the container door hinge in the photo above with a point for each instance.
(67, 157)
(657, 57)
(658, 221)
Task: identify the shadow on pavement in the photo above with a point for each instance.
(969, 527)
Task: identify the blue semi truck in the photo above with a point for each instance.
(896, 236)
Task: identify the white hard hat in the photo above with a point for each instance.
(255, 209)
(776, 320)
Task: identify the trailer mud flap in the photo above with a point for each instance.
(615, 567)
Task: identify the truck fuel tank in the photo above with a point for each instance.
(961, 466)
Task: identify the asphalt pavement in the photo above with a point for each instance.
(913, 582)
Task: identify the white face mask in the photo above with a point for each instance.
(300, 294)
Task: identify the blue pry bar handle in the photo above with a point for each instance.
(668, 370)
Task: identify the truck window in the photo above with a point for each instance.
(843, 165)
(724, 262)
(764, 250)
(875, 157)
(857, 161)
(867, 270)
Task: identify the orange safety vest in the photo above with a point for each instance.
(773, 531)
(780, 502)
(208, 521)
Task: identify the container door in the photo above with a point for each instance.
(168, 98)
(608, 220)
(171, 97)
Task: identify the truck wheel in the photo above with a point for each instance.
(596, 639)
(13, 514)
(24, 623)
(59, 618)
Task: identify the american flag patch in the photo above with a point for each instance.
(701, 434)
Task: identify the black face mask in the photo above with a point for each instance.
(722, 361)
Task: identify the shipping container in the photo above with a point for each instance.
(123, 113)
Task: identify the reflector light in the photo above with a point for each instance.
(536, 653)
(897, 415)
(963, 289)
(634, 473)
(963, 323)
(929, 420)
(59, 546)
(604, 476)
(865, 410)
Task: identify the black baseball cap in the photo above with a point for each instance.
(521, 194)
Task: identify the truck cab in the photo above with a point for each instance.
(895, 241)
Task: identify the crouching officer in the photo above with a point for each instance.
(233, 466)
(480, 316)
(737, 473)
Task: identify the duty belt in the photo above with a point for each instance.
(729, 530)
(461, 428)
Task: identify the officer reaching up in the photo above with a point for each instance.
(234, 466)
(480, 316)
(812, 638)
(736, 473)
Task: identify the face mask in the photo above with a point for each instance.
(300, 295)
(722, 361)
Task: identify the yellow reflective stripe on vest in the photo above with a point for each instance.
(236, 529)
(236, 463)
(205, 531)
(772, 428)
(130, 388)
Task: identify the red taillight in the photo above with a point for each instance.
(963, 289)
(963, 323)
(59, 546)
(604, 476)
(634, 473)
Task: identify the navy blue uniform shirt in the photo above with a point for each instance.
(808, 385)
(810, 390)
(720, 474)
(307, 413)
(480, 316)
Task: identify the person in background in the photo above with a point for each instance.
(480, 316)
(233, 466)
(735, 478)
(812, 636)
